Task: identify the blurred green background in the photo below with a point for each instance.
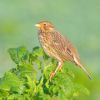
(79, 20)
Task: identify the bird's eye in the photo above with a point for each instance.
(44, 24)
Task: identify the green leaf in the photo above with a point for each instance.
(10, 82)
(18, 55)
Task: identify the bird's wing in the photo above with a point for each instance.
(71, 50)
(65, 47)
(58, 41)
(62, 46)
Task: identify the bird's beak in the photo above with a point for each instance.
(37, 25)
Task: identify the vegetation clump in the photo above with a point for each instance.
(29, 80)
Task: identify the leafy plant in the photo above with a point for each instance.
(29, 80)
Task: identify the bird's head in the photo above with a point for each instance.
(45, 26)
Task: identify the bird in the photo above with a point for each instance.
(58, 46)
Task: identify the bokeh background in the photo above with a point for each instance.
(79, 20)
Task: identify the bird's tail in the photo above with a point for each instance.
(83, 68)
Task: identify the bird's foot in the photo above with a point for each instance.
(52, 75)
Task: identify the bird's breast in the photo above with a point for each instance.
(46, 41)
(45, 38)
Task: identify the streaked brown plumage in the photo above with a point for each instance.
(57, 46)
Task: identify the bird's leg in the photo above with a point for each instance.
(60, 64)
(58, 68)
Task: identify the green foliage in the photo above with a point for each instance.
(29, 80)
